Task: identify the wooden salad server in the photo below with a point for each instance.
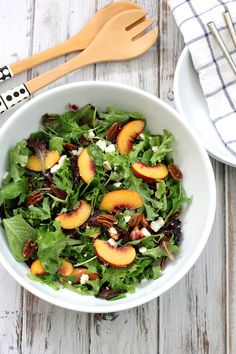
(121, 38)
(76, 43)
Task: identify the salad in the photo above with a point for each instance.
(92, 200)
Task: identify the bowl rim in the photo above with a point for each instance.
(198, 250)
(180, 107)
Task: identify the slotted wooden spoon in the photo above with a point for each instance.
(76, 43)
(121, 38)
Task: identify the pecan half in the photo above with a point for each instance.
(113, 131)
(29, 248)
(136, 219)
(84, 141)
(34, 198)
(175, 172)
(69, 146)
(106, 220)
(60, 194)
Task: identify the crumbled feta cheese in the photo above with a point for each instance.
(91, 134)
(111, 241)
(110, 148)
(56, 167)
(142, 250)
(85, 255)
(80, 150)
(142, 136)
(84, 279)
(112, 230)
(117, 184)
(107, 165)
(69, 282)
(145, 232)
(127, 218)
(154, 148)
(75, 152)
(5, 175)
(101, 144)
(154, 226)
(160, 221)
(144, 280)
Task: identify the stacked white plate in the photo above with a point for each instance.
(190, 102)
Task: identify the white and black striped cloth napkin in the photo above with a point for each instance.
(216, 76)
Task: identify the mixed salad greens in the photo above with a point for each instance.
(92, 201)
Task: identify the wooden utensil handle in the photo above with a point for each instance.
(36, 59)
(13, 96)
(79, 61)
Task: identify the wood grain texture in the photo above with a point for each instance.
(230, 177)
(198, 315)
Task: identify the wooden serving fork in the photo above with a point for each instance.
(121, 38)
(76, 43)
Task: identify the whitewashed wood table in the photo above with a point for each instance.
(198, 315)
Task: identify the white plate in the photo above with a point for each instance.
(190, 102)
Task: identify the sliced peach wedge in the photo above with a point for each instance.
(115, 256)
(78, 272)
(51, 158)
(150, 173)
(76, 217)
(66, 269)
(37, 268)
(128, 133)
(119, 199)
(86, 166)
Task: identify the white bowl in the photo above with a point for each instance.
(189, 155)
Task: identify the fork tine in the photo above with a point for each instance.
(135, 31)
(147, 40)
(129, 17)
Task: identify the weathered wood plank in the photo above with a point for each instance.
(48, 329)
(192, 314)
(133, 331)
(230, 208)
(13, 48)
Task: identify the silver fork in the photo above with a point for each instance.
(220, 40)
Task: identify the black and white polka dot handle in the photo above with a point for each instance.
(5, 73)
(13, 96)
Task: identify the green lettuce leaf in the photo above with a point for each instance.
(14, 190)
(18, 158)
(51, 242)
(18, 231)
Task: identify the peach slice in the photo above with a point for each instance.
(114, 256)
(78, 272)
(66, 268)
(37, 268)
(123, 198)
(75, 218)
(150, 173)
(51, 158)
(86, 166)
(128, 133)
